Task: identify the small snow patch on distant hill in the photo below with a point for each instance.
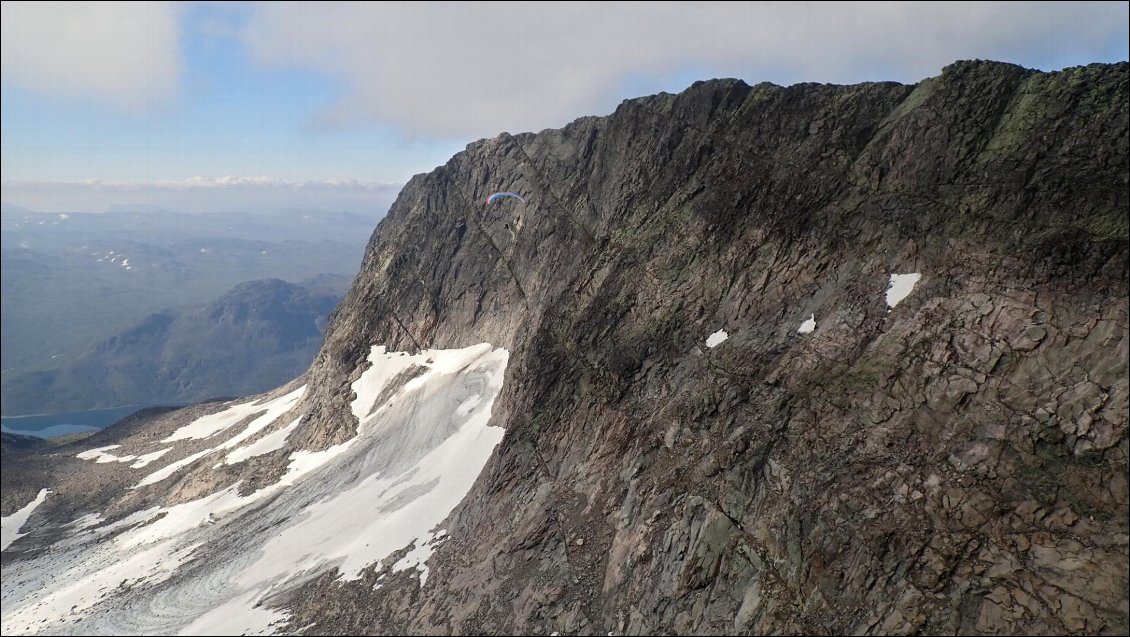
(10, 525)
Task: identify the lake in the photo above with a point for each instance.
(46, 426)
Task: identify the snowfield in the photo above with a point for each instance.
(215, 565)
(10, 525)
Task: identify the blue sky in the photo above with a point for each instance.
(353, 95)
(227, 117)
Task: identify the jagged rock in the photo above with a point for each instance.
(846, 480)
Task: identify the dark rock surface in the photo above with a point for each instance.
(958, 463)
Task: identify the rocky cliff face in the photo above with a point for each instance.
(954, 461)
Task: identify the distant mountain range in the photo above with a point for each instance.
(71, 281)
(255, 337)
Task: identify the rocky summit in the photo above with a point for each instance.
(746, 359)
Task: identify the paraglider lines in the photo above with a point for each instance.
(479, 224)
(406, 330)
(548, 188)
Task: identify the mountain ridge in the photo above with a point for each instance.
(954, 461)
(253, 337)
(969, 163)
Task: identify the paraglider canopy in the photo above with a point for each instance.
(502, 195)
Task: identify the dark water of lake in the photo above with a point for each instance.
(63, 424)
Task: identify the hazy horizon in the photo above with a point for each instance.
(199, 196)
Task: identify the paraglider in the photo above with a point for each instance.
(502, 195)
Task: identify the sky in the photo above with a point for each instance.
(212, 106)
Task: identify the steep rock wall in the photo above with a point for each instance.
(955, 463)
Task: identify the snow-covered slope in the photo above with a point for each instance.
(217, 564)
(10, 525)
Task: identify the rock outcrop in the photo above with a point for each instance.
(955, 463)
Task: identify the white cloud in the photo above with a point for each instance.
(201, 194)
(477, 69)
(122, 53)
